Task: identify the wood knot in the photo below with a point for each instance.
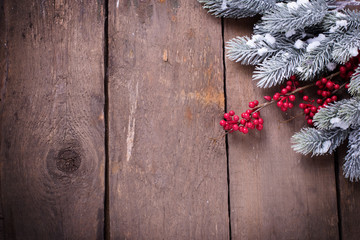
(68, 161)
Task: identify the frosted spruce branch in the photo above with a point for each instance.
(318, 142)
(237, 8)
(354, 87)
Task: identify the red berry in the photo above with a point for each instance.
(311, 114)
(288, 88)
(245, 130)
(242, 121)
(255, 115)
(328, 100)
(289, 83)
(334, 98)
(286, 105)
(249, 111)
(347, 86)
(313, 109)
(306, 98)
(261, 121)
(222, 122)
(241, 128)
(306, 110)
(293, 78)
(246, 116)
(342, 69)
(329, 85)
(291, 105)
(231, 113)
(235, 127)
(284, 109)
(319, 101)
(310, 122)
(236, 118)
(292, 98)
(279, 103)
(319, 92)
(256, 122)
(349, 74)
(256, 102)
(227, 116)
(318, 83)
(336, 86)
(348, 65)
(251, 104)
(284, 91)
(276, 96)
(324, 94)
(259, 127)
(323, 80)
(302, 105)
(267, 98)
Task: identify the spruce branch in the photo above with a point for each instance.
(354, 86)
(276, 69)
(342, 114)
(237, 8)
(346, 46)
(318, 142)
(249, 51)
(292, 16)
(351, 166)
(315, 59)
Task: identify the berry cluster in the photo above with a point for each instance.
(326, 89)
(250, 119)
(285, 97)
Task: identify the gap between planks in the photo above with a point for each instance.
(226, 136)
(106, 121)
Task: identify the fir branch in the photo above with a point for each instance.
(248, 51)
(292, 16)
(346, 46)
(351, 166)
(343, 114)
(237, 8)
(318, 142)
(275, 70)
(315, 60)
(354, 86)
(341, 21)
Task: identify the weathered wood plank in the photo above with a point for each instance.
(52, 129)
(167, 177)
(349, 201)
(3, 72)
(274, 193)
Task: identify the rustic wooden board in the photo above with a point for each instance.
(167, 177)
(3, 71)
(274, 193)
(52, 129)
(349, 201)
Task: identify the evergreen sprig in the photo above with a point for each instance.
(318, 142)
(354, 86)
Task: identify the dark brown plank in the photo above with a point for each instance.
(52, 129)
(167, 177)
(349, 201)
(274, 193)
(3, 73)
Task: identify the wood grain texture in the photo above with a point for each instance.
(52, 128)
(274, 193)
(167, 176)
(3, 77)
(349, 201)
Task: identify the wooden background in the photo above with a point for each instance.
(109, 111)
